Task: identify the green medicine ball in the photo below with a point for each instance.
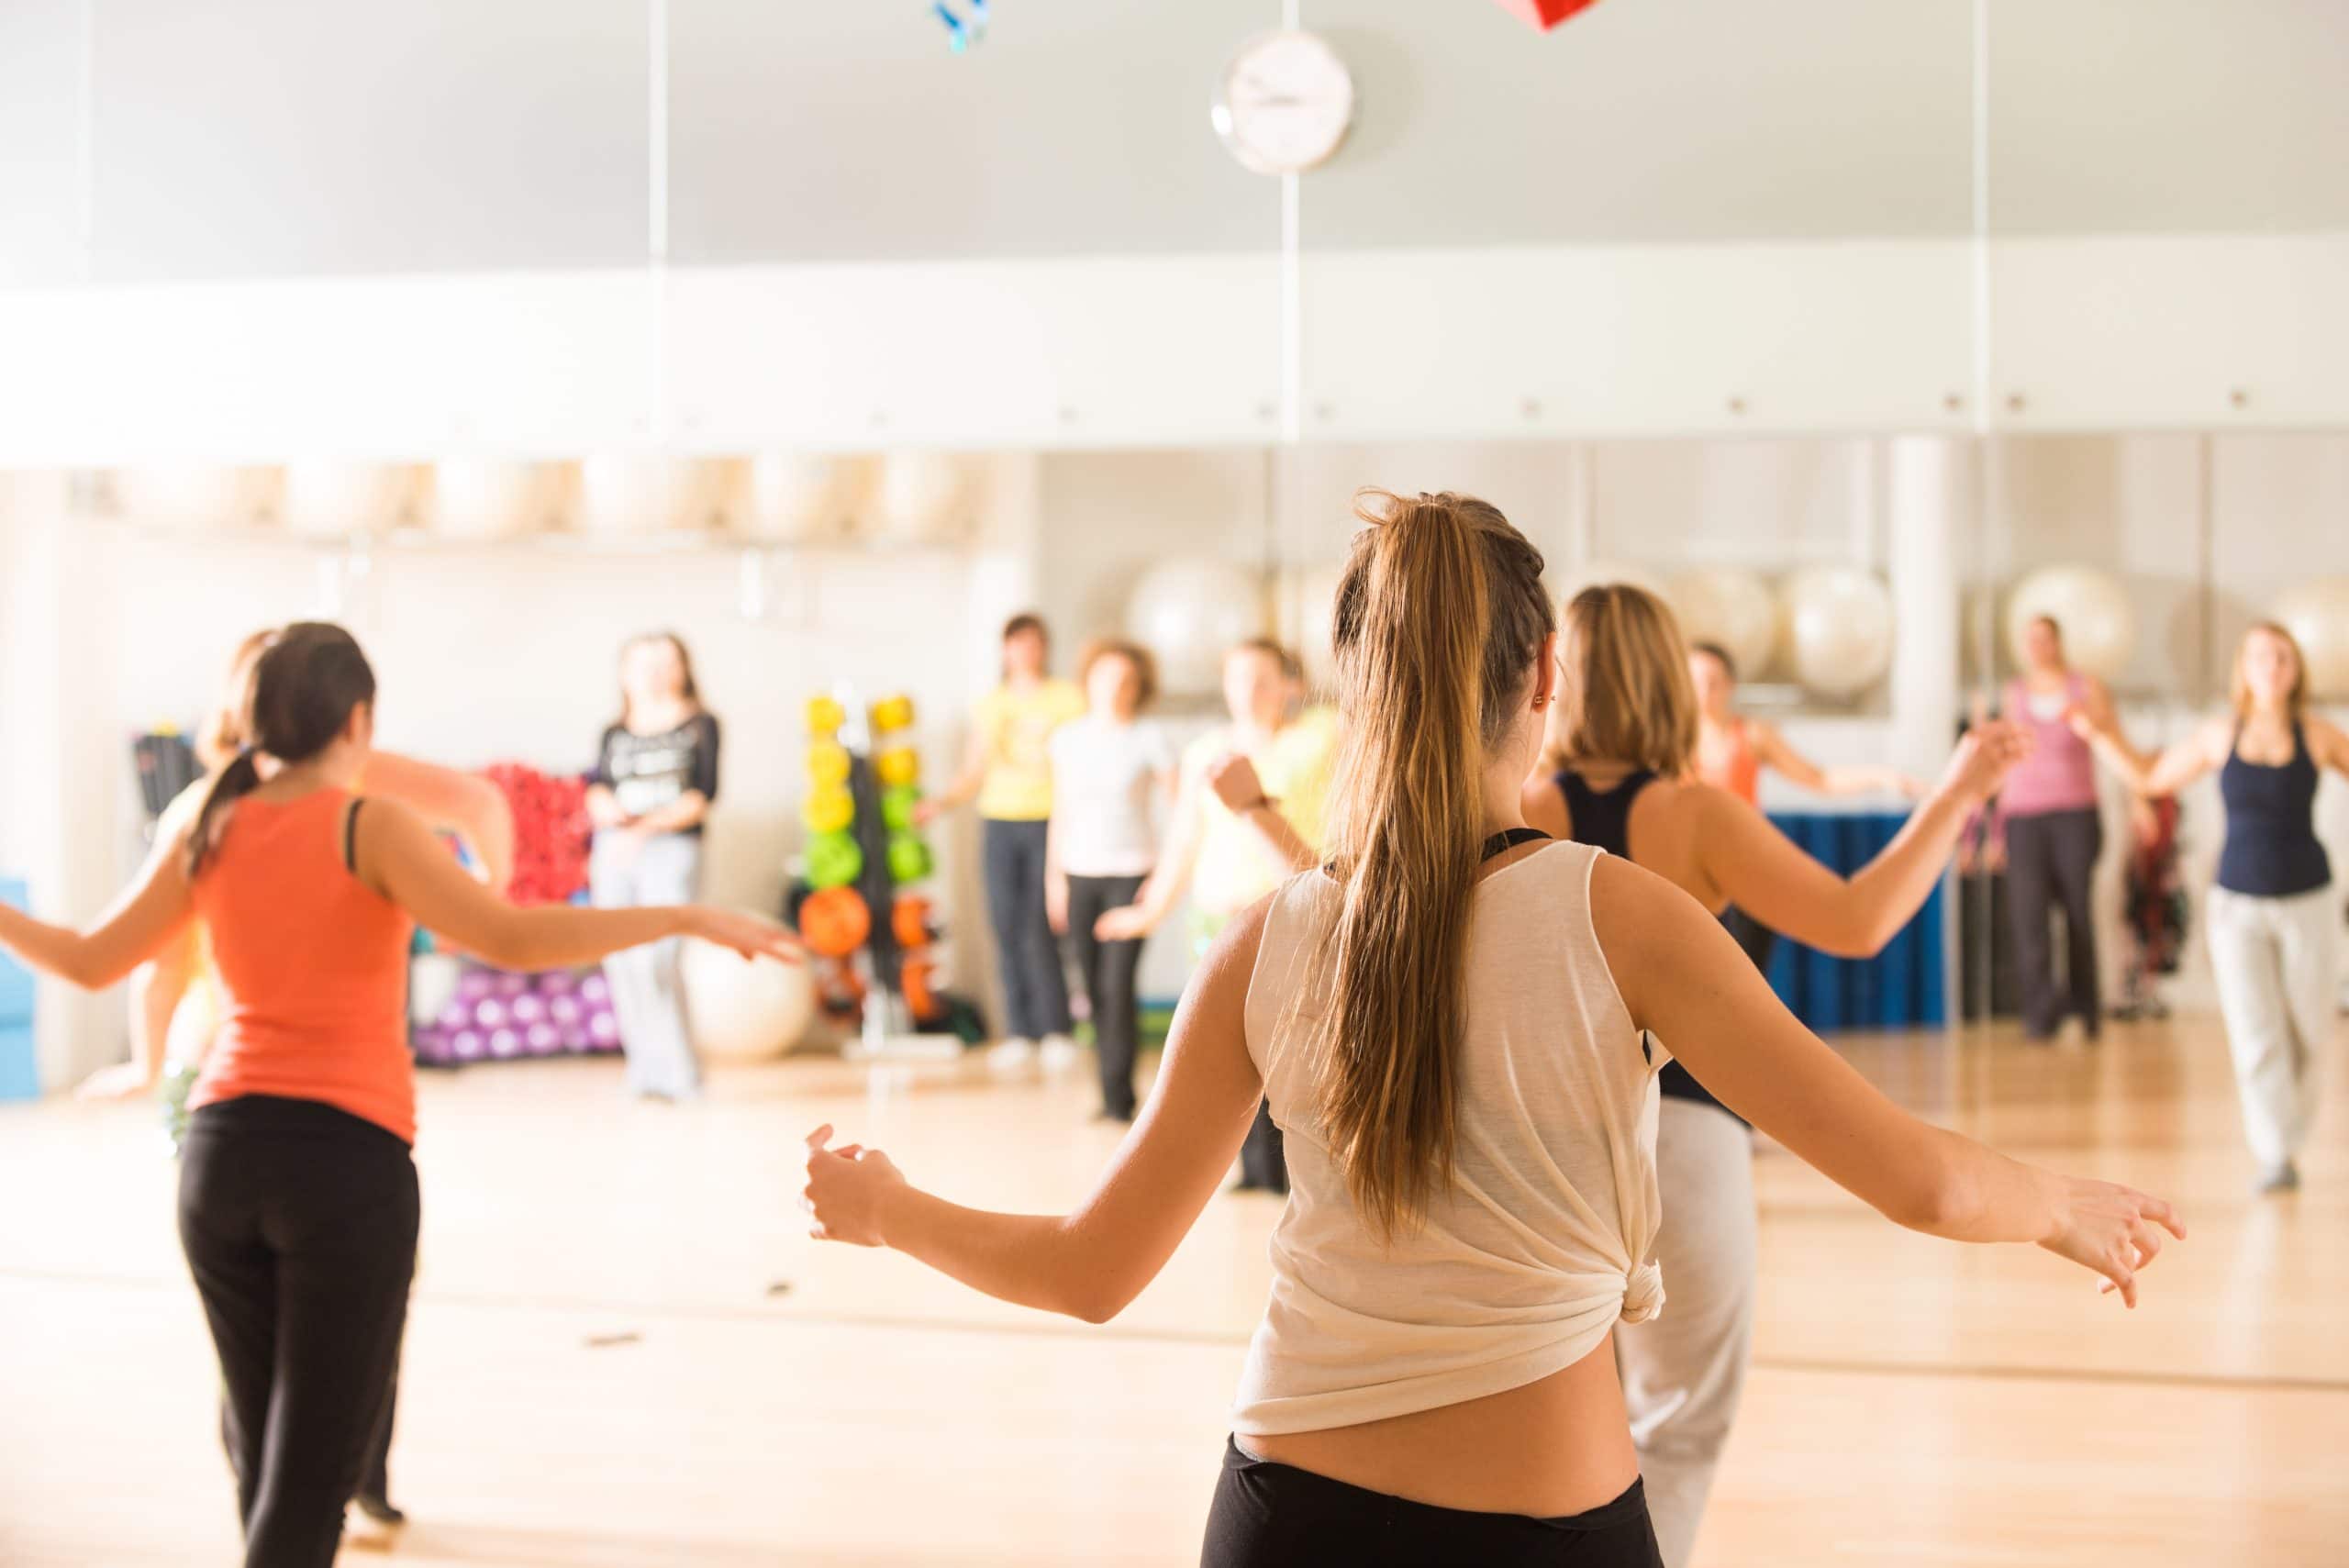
(897, 804)
(833, 860)
(909, 857)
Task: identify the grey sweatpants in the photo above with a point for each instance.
(1684, 1369)
(2274, 961)
(647, 994)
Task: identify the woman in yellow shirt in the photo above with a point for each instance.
(1008, 771)
(1252, 814)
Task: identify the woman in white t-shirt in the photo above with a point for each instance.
(1113, 779)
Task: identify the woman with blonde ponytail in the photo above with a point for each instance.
(1447, 1016)
(1616, 776)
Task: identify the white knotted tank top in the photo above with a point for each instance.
(1546, 1236)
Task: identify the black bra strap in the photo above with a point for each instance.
(1509, 839)
(350, 835)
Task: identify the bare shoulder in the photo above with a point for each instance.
(1645, 925)
(2326, 740)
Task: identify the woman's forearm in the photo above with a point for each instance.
(1983, 1195)
(1029, 1259)
(687, 810)
(1281, 836)
(559, 936)
(54, 950)
(1891, 888)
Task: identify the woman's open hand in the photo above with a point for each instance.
(2112, 1229)
(753, 936)
(846, 1189)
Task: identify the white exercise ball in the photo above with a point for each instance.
(484, 499)
(330, 499)
(1187, 611)
(1836, 631)
(1735, 610)
(2092, 611)
(192, 497)
(744, 1009)
(2317, 614)
(1316, 603)
(801, 495)
(1606, 574)
(920, 498)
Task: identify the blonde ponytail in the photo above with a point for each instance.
(1438, 618)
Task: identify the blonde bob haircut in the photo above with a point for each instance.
(1625, 695)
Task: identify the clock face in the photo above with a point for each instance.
(1285, 102)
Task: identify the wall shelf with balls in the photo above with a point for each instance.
(462, 1011)
(865, 853)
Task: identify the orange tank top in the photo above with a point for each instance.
(1735, 767)
(312, 967)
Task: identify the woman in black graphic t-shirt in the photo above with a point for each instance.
(656, 773)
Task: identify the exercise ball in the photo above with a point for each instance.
(920, 497)
(624, 494)
(1732, 609)
(744, 1009)
(1187, 611)
(2317, 614)
(801, 495)
(483, 500)
(1837, 630)
(1603, 574)
(2099, 628)
(190, 497)
(1316, 603)
(329, 499)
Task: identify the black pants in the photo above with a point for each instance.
(2051, 857)
(1263, 1159)
(299, 1224)
(1275, 1516)
(1107, 970)
(1035, 994)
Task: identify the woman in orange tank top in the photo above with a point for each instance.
(298, 1205)
(1732, 751)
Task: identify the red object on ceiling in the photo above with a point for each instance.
(1545, 13)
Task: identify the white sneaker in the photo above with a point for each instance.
(1061, 1053)
(1011, 1054)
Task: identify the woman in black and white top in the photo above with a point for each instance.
(656, 773)
(1448, 1016)
(1113, 782)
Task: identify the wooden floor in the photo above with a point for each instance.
(625, 1353)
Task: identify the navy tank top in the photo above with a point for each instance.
(2271, 848)
(1603, 818)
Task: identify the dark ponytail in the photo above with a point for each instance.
(298, 700)
(1438, 619)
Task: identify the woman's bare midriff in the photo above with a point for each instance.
(1556, 1447)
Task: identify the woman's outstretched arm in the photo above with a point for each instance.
(399, 857)
(1092, 1261)
(1762, 871)
(137, 926)
(1683, 977)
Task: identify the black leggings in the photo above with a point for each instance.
(1108, 968)
(1275, 1516)
(1035, 993)
(299, 1224)
(2050, 860)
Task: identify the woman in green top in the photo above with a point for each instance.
(1008, 771)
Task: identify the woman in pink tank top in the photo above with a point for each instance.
(2054, 835)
